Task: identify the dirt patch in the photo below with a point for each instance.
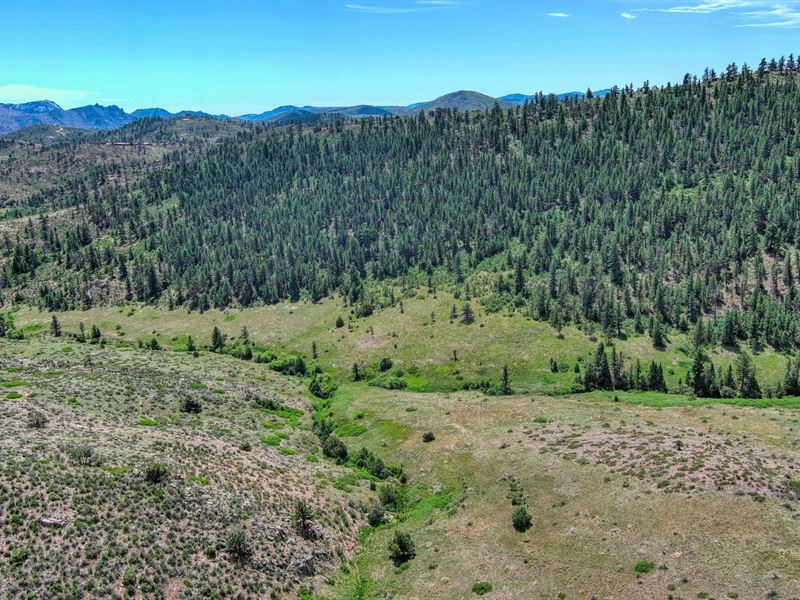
(370, 341)
(681, 460)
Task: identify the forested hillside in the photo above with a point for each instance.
(651, 206)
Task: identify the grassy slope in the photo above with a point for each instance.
(409, 339)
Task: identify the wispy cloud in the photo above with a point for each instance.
(561, 15)
(704, 8)
(780, 15)
(398, 8)
(627, 15)
(21, 92)
(752, 13)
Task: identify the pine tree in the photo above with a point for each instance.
(655, 378)
(746, 376)
(506, 384)
(657, 333)
(697, 374)
(598, 374)
(217, 340)
(467, 316)
(55, 327)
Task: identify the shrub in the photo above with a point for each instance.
(18, 556)
(129, 580)
(322, 386)
(237, 545)
(303, 518)
(401, 548)
(521, 519)
(385, 364)
(156, 472)
(375, 516)
(481, 588)
(643, 566)
(391, 496)
(267, 403)
(335, 448)
(37, 420)
(85, 456)
(288, 365)
(389, 382)
(190, 405)
(428, 437)
(364, 309)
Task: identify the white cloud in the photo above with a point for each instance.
(627, 15)
(403, 8)
(561, 15)
(704, 8)
(779, 15)
(20, 92)
(754, 13)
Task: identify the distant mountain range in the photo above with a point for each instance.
(44, 112)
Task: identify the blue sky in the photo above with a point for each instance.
(247, 56)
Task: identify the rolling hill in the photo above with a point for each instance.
(19, 116)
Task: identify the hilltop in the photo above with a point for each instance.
(14, 117)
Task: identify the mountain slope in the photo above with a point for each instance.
(18, 116)
(580, 208)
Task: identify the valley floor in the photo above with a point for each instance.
(703, 495)
(631, 495)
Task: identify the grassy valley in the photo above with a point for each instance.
(630, 494)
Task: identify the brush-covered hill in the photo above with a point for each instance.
(43, 162)
(142, 473)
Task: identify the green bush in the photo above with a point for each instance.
(335, 448)
(155, 472)
(37, 420)
(401, 548)
(428, 437)
(392, 496)
(482, 587)
(322, 386)
(643, 566)
(388, 382)
(375, 516)
(129, 580)
(190, 405)
(521, 519)
(18, 556)
(237, 545)
(85, 456)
